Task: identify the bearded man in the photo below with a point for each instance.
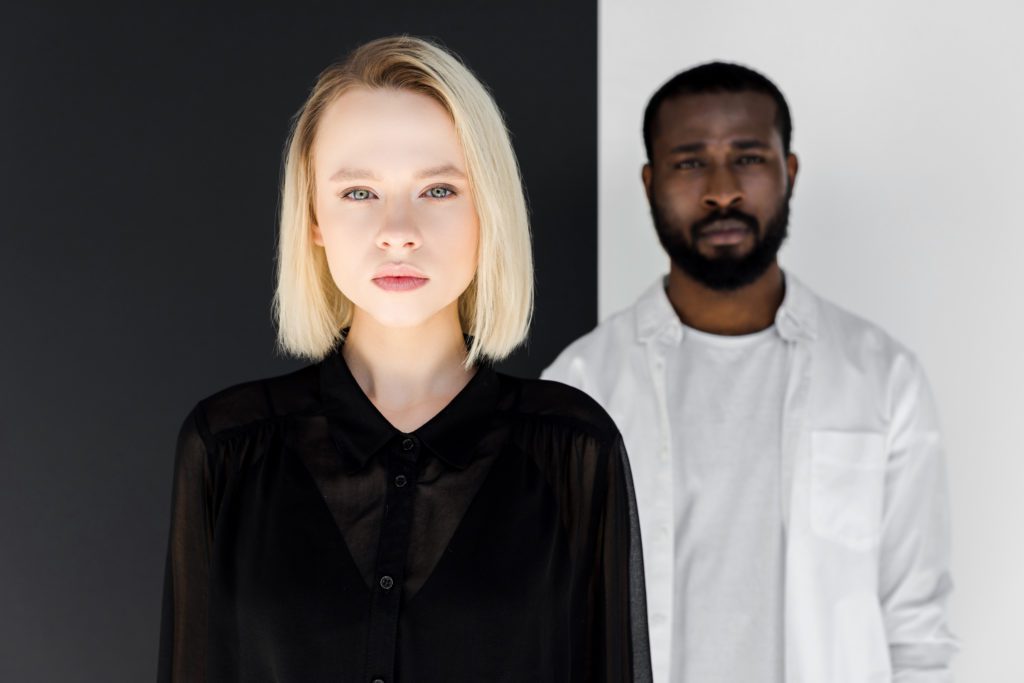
(786, 454)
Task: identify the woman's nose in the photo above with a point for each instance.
(398, 230)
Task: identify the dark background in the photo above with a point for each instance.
(139, 185)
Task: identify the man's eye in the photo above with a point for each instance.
(748, 159)
(689, 164)
(440, 192)
(359, 194)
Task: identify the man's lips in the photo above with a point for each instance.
(724, 232)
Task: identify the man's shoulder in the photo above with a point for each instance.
(852, 334)
(855, 356)
(849, 347)
(610, 338)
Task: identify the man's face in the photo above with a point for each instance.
(719, 185)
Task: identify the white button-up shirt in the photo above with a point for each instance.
(863, 487)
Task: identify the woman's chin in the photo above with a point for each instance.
(404, 316)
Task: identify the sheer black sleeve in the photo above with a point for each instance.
(620, 621)
(183, 627)
(581, 455)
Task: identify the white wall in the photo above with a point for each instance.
(908, 119)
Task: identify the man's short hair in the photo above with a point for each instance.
(718, 77)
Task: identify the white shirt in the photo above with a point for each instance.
(725, 398)
(861, 487)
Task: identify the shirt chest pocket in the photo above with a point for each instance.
(847, 486)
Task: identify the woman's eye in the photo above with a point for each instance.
(359, 195)
(440, 192)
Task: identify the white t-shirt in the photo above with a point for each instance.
(725, 399)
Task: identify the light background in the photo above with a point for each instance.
(908, 122)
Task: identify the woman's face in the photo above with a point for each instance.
(394, 211)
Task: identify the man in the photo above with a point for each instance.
(785, 453)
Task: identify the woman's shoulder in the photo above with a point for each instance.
(247, 404)
(566, 406)
(570, 437)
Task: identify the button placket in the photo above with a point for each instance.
(660, 575)
(392, 549)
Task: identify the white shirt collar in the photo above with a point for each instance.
(796, 319)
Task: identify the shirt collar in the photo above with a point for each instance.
(359, 430)
(654, 312)
(796, 319)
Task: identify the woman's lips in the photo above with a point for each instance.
(399, 277)
(399, 283)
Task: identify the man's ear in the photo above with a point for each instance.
(792, 167)
(645, 176)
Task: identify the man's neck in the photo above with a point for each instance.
(745, 310)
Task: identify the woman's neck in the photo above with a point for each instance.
(409, 373)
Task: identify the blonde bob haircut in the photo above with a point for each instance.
(496, 308)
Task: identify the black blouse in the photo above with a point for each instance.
(312, 541)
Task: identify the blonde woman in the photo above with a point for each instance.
(398, 510)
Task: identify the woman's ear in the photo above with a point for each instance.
(318, 238)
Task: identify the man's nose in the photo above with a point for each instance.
(722, 192)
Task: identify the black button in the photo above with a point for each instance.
(386, 582)
(408, 444)
(401, 481)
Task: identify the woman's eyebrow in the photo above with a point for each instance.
(447, 169)
(346, 173)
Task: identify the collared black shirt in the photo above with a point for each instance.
(312, 541)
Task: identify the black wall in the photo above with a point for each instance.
(139, 160)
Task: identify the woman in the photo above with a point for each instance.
(399, 511)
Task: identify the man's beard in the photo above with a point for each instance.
(726, 272)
